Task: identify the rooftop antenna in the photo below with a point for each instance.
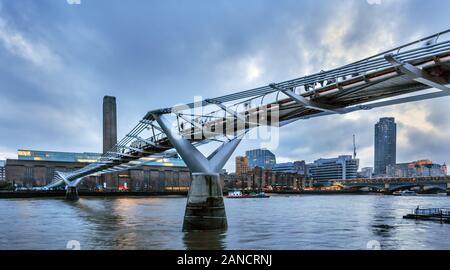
(354, 147)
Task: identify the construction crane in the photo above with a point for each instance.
(354, 147)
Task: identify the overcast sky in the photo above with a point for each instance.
(58, 60)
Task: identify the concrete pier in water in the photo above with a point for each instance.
(205, 209)
(72, 194)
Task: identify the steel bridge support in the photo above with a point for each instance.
(205, 209)
(417, 74)
(71, 188)
(387, 187)
(72, 193)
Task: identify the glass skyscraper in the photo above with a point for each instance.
(260, 158)
(385, 145)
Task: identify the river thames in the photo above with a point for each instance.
(279, 222)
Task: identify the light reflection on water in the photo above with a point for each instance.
(279, 222)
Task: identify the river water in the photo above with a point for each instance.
(278, 222)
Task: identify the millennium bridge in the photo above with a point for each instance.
(402, 74)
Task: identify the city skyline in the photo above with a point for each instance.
(308, 161)
(225, 61)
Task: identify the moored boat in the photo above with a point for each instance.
(237, 194)
(404, 193)
(436, 214)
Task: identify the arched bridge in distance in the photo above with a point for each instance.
(400, 75)
(391, 184)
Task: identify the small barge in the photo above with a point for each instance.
(404, 193)
(236, 194)
(435, 214)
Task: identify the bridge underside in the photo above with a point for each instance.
(392, 77)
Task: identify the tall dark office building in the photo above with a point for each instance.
(385, 144)
(109, 123)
